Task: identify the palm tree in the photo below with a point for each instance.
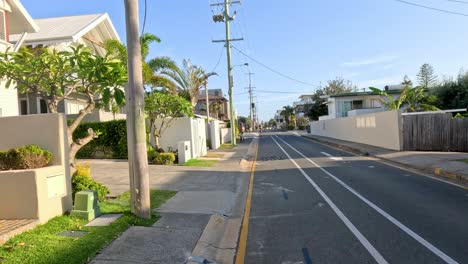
(151, 69)
(189, 80)
(288, 113)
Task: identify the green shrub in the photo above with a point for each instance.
(81, 181)
(112, 143)
(27, 157)
(166, 158)
(291, 127)
(151, 152)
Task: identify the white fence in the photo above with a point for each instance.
(185, 129)
(377, 129)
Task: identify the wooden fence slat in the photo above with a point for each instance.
(435, 132)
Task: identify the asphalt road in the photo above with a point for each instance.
(315, 204)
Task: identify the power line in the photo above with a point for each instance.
(278, 92)
(144, 18)
(219, 59)
(271, 69)
(433, 8)
(458, 1)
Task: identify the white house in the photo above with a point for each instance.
(300, 106)
(357, 103)
(14, 19)
(62, 33)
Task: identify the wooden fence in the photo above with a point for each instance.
(435, 132)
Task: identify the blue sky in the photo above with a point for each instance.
(370, 42)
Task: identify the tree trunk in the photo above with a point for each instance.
(76, 145)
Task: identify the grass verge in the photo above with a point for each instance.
(226, 146)
(200, 163)
(42, 245)
(464, 160)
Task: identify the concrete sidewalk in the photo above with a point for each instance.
(450, 165)
(202, 219)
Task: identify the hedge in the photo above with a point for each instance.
(111, 143)
(166, 158)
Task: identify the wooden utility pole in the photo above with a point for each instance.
(226, 17)
(136, 131)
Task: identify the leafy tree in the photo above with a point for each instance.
(407, 81)
(337, 86)
(189, 80)
(56, 75)
(453, 94)
(426, 76)
(389, 102)
(272, 122)
(164, 107)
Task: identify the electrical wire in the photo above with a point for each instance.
(144, 19)
(433, 8)
(219, 59)
(458, 1)
(278, 92)
(271, 69)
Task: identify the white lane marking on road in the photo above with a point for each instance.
(408, 231)
(370, 248)
(331, 157)
(386, 163)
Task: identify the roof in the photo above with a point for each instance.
(68, 28)
(211, 97)
(19, 20)
(364, 93)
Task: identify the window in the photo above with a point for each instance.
(23, 106)
(3, 26)
(357, 104)
(216, 93)
(42, 107)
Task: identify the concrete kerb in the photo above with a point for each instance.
(434, 172)
(219, 240)
(247, 159)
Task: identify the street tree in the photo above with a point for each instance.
(162, 108)
(189, 80)
(57, 75)
(426, 76)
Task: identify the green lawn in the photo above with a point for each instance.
(465, 160)
(200, 163)
(226, 146)
(42, 245)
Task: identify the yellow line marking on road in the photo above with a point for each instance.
(241, 248)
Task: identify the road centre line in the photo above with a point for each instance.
(408, 231)
(369, 247)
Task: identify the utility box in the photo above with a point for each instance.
(184, 151)
(86, 205)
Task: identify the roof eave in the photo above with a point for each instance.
(17, 6)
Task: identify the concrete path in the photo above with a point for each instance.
(202, 219)
(452, 165)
